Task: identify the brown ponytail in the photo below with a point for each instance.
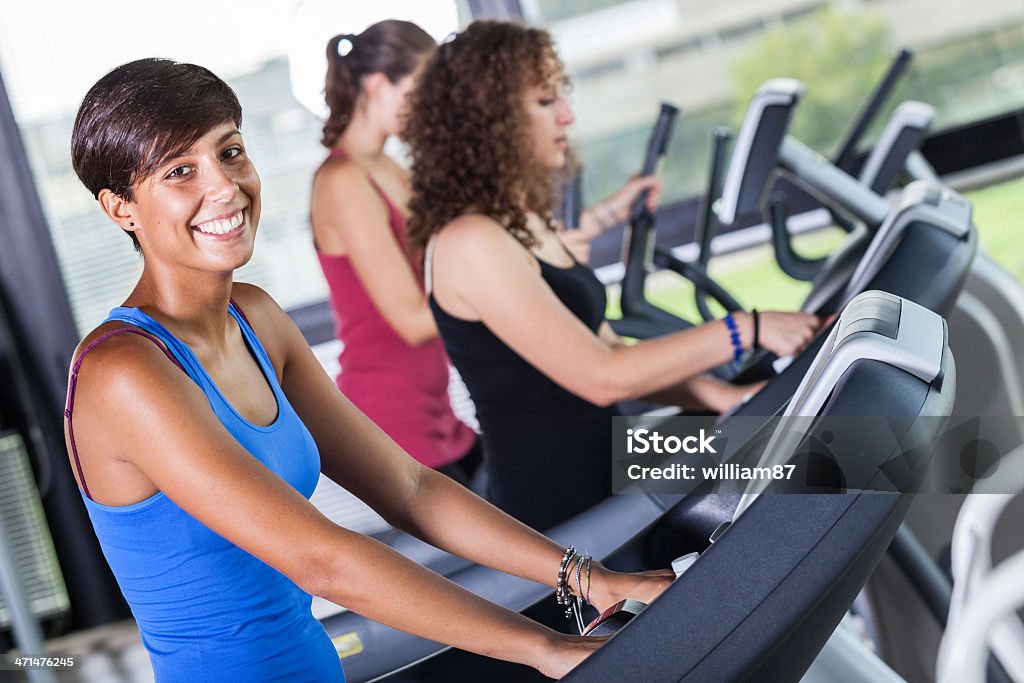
(390, 47)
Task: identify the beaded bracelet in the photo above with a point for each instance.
(734, 336)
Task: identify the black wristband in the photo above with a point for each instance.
(757, 329)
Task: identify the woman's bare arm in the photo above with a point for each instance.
(360, 457)
(349, 215)
(165, 427)
(481, 272)
(606, 214)
(696, 393)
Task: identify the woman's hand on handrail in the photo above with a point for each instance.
(614, 210)
(784, 334)
(607, 589)
(610, 587)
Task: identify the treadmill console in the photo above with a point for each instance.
(902, 135)
(874, 326)
(757, 148)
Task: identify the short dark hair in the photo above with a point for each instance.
(139, 115)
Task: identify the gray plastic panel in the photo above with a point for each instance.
(903, 133)
(921, 201)
(871, 314)
(757, 147)
(918, 347)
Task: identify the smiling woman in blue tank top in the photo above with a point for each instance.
(198, 421)
(522, 321)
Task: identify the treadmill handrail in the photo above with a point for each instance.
(918, 168)
(707, 224)
(818, 172)
(706, 227)
(971, 560)
(638, 245)
(698, 276)
(848, 150)
(792, 264)
(657, 145)
(963, 658)
(572, 202)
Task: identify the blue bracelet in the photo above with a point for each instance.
(734, 336)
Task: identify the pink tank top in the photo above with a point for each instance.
(402, 388)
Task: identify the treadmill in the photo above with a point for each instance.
(919, 248)
(762, 599)
(930, 221)
(377, 649)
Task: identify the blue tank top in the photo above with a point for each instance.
(208, 610)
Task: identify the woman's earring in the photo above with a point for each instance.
(131, 225)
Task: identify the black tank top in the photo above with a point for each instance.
(548, 451)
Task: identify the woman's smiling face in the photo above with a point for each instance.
(200, 208)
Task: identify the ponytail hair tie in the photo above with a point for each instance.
(346, 44)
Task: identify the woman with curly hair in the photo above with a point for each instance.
(522, 321)
(393, 366)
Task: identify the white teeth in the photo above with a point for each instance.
(221, 227)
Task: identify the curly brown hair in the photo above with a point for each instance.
(468, 131)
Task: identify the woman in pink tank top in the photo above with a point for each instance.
(393, 365)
